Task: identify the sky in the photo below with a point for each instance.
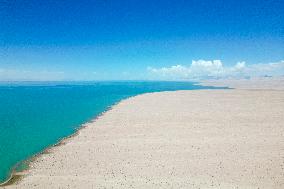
(140, 40)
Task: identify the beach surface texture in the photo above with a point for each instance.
(183, 139)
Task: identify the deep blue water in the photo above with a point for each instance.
(35, 115)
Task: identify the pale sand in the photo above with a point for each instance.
(184, 139)
(276, 83)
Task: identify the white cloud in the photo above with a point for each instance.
(202, 69)
(240, 65)
(171, 71)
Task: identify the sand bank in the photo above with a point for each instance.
(184, 139)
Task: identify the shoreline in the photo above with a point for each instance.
(247, 84)
(31, 159)
(16, 176)
(62, 141)
(67, 139)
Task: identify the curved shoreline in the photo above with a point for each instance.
(60, 142)
(13, 169)
(165, 139)
(30, 159)
(13, 174)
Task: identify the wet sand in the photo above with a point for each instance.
(183, 139)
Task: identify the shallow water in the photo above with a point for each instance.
(34, 115)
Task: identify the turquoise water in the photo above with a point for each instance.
(36, 115)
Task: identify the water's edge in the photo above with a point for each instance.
(17, 174)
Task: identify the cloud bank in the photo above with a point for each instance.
(203, 69)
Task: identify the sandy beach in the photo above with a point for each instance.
(183, 139)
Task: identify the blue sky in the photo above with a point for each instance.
(131, 39)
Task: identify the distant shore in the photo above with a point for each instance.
(264, 83)
(189, 139)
